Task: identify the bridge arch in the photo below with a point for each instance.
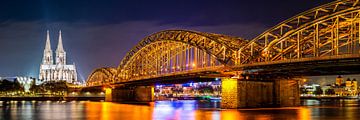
(101, 76)
(328, 30)
(170, 50)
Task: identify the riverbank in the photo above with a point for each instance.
(52, 98)
(329, 97)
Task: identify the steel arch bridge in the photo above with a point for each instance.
(330, 31)
(101, 76)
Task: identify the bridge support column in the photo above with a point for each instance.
(238, 93)
(229, 93)
(255, 93)
(133, 94)
(144, 93)
(287, 93)
(108, 95)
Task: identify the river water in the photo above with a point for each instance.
(174, 110)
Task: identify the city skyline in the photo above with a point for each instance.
(90, 38)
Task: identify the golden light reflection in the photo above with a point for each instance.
(116, 111)
(304, 114)
(105, 113)
(231, 115)
(263, 117)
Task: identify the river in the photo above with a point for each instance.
(174, 110)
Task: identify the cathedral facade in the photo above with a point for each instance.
(60, 70)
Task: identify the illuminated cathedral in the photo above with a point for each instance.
(60, 70)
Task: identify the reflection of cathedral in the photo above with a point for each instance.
(60, 70)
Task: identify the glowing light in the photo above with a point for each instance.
(229, 86)
(108, 94)
(304, 114)
(193, 64)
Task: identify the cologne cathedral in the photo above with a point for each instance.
(60, 70)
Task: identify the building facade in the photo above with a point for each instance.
(58, 70)
(349, 88)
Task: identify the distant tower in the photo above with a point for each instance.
(348, 83)
(60, 52)
(339, 80)
(47, 58)
(354, 84)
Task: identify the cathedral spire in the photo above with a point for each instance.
(60, 47)
(60, 52)
(47, 58)
(47, 45)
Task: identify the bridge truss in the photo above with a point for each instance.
(101, 76)
(328, 31)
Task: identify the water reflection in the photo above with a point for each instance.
(174, 110)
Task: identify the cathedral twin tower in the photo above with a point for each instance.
(50, 71)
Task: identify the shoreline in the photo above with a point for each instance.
(52, 98)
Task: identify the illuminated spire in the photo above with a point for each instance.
(60, 52)
(47, 45)
(60, 47)
(47, 58)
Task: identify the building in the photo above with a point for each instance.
(60, 70)
(339, 81)
(349, 88)
(312, 89)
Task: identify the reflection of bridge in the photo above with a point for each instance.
(323, 40)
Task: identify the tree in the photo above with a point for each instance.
(318, 91)
(10, 86)
(330, 92)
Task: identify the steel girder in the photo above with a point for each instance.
(100, 76)
(328, 30)
(154, 54)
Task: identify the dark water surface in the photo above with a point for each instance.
(174, 110)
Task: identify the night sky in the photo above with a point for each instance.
(98, 33)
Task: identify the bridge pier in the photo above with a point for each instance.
(239, 93)
(130, 94)
(287, 92)
(108, 94)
